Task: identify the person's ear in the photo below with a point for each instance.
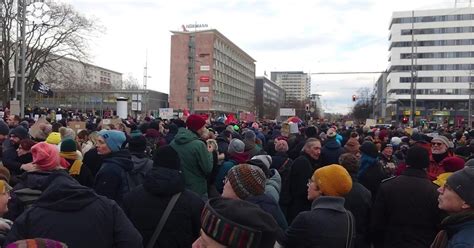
(465, 206)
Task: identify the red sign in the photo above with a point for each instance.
(204, 79)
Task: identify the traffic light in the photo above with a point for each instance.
(405, 120)
(353, 98)
(306, 107)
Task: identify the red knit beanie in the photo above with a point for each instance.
(452, 164)
(45, 156)
(195, 122)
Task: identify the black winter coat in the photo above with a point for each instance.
(406, 213)
(145, 205)
(75, 215)
(111, 180)
(359, 202)
(269, 205)
(10, 158)
(325, 226)
(331, 152)
(92, 160)
(302, 169)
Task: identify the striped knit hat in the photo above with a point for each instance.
(37, 243)
(238, 224)
(246, 180)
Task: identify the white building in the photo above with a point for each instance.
(296, 84)
(443, 61)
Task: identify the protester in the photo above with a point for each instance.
(111, 180)
(236, 155)
(195, 157)
(302, 169)
(328, 223)
(439, 151)
(405, 212)
(10, 146)
(331, 150)
(5, 224)
(358, 201)
(247, 225)
(74, 165)
(141, 163)
(371, 172)
(456, 197)
(24, 151)
(145, 204)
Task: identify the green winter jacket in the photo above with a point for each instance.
(196, 160)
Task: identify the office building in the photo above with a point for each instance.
(296, 84)
(269, 98)
(435, 50)
(210, 74)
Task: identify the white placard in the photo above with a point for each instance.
(204, 89)
(205, 68)
(370, 122)
(36, 117)
(106, 121)
(287, 112)
(166, 113)
(59, 117)
(2, 114)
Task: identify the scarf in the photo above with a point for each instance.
(438, 157)
(75, 168)
(441, 240)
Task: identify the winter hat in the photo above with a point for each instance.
(67, 133)
(266, 159)
(4, 129)
(452, 164)
(236, 146)
(246, 180)
(311, 132)
(20, 132)
(350, 162)
(113, 138)
(255, 125)
(249, 135)
(333, 180)
(352, 145)
(385, 145)
(45, 156)
(369, 149)
(261, 165)
(37, 243)
(281, 145)
(442, 139)
(462, 182)
(68, 145)
(4, 187)
(395, 141)
(4, 173)
(237, 223)
(54, 138)
(331, 133)
(418, 157)
(137, 144)
(167, 157)
(195, 122)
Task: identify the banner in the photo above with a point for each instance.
(42, 88)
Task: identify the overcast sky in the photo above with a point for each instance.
(311, 36)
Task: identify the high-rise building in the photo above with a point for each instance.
(269, 97)
(380, 99)
(209, 73)
(296, 84)
(435, 50)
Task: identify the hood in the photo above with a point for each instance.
(249, 146)
(239, 157)
(63, 193)
(152, 133)
(34, 180)
(121, 158)
(222, 138)
(275, 180)
(139, 163)
(332, 144)
(265, 202)
(164, 181)
(184, 136)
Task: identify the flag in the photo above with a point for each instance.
(42, 88)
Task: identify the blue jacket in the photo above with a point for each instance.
(461, 235)
(331, 152)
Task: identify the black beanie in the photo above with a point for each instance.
(462, 182)
(137, 144)
(4, 130)
(311, 132)
(167, 157)
(418, 157)
(369, 149)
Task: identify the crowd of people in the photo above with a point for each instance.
(200, 183)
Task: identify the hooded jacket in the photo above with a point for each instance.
(273, 185)
(145, 204)
(111, 180)
(330, 152)
(141, 166)
(196, 160)
(75, 215)
(267, 204)
(235, 159)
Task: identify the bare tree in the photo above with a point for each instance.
(65, 35)
(364, 105)
(130, 83)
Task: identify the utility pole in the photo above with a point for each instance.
(145, 85)
(23, 58)
(412, 69)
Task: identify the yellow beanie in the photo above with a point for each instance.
(53, 138)
(441, 179)
(4, 187)
(333, 180)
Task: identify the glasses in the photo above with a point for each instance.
(436, 144)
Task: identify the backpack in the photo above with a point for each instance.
(285, 173)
